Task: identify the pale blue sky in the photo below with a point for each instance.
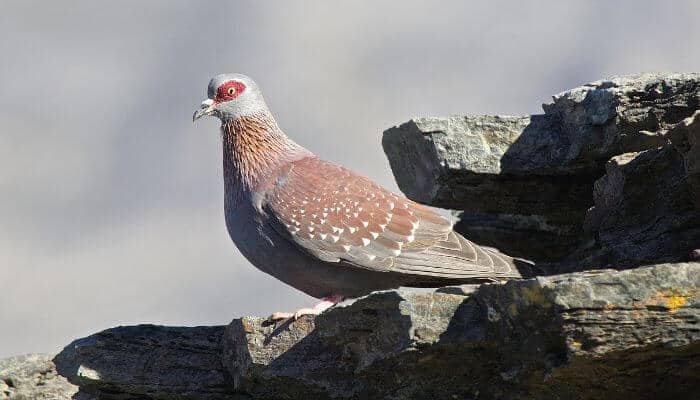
(111, 209)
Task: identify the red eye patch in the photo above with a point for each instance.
(229, 91)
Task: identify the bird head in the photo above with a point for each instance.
(231, 96)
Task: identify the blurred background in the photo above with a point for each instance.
(111, 200)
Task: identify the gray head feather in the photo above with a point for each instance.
(250, 102)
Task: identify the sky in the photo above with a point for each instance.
(111, 200)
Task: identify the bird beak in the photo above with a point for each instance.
(207, 108)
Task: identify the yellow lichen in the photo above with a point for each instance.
(675, 302)
(670, 299)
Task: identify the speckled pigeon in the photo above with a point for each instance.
(322, 228)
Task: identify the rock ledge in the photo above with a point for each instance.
(634, 333)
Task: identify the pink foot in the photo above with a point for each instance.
(326, 303)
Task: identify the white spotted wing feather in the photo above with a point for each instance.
(341, 217)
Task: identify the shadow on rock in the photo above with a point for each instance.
(315, 358)
(147, 362)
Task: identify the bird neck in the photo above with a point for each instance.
(254, 149)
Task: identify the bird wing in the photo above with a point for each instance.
(341, 217)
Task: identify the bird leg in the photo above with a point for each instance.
(326, 303)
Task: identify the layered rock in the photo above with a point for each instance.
(643, 212)
(527, 181)
(148, 361)
(581, 335)
(685, 137)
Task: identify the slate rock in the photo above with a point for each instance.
(643, 212)
(538, 336)
(524, 180)
(583, 335)
(685, 136)
(148, 362)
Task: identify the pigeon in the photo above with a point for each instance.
(321, 228)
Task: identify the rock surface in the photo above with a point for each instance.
(643, 211)
(685, 137)
(582, 335)
(530, 179)
(34, 377)
(148, 361)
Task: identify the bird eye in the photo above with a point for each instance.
(229, 91)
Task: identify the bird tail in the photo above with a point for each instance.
(457, 259)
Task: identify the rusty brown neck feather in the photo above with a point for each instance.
(254, 148)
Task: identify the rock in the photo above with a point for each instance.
(34, 377)
(580, 130)
(449, 162)
(643, 212)
(599, 335)
(685, 136)
(148, 362)
(387, 344)
(457, 161)
(529, 179)
(324, 356)
(622, 114)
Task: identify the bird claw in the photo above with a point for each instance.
(326, 303)
(280, 316)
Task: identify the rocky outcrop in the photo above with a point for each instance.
(581, 335)
(608, 177)
(148, 361)
(526, 183)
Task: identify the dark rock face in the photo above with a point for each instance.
(685, 137)
(643, 211)
(524, 181)
(581, 335)
(608, 177)
(148, 361)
